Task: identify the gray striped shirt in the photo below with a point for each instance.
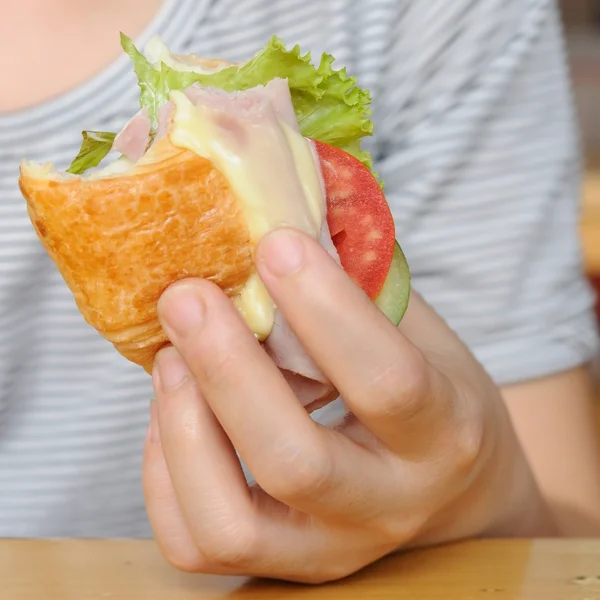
(475, 138)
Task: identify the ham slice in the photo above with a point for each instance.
(132, 141)
(133, 138)
(304, 376)
(283, 345)
(306, 379)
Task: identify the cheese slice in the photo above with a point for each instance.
(157, 52)
(271, 168)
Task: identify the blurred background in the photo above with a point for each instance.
(582, 24)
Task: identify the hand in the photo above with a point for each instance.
(426, 454)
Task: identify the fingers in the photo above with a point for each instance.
(164, 513)
(323, 496)
(245, 390)
(384, 379)
(205, 517)
(292, 458)
(311, 394)
(206, 475)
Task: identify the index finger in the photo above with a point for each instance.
(293, 459)
(384, 379)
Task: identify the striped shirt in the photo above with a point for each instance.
(476, 140)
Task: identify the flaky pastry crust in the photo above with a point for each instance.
(120, 241)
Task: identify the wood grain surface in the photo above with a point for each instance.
(134, 570)
(590, 221)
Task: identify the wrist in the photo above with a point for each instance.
(523, 511)
(517, 507)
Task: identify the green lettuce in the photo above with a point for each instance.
(329, 105)
(94, 147)
(154, 83)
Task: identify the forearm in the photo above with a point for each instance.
(556, 423)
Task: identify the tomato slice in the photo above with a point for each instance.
(359, 218)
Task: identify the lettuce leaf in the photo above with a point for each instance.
(340, 116)
(153, 82)
(94, 147)
(329, 105)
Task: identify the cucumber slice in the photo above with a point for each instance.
(393, 298)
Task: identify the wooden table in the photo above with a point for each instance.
(477, 570)
(134, 570)
(590, 219)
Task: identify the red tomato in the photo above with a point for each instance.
(359, 218)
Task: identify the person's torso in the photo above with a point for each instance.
(454, 84)
(73, 413)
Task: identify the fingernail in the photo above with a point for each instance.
(282, 252)
(182, 308)
(153, 431)
(171, 368)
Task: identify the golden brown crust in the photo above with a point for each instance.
(119, 242)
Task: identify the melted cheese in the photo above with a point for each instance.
(156, 51)
(272, 171)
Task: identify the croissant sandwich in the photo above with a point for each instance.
(218, 155)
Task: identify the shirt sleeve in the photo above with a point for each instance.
(477, 145)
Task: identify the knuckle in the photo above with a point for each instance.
(400, 530)
(398, 389)
(298, 470)
(468, 446)
(235, 547)
(403, 532)
(188, 560)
